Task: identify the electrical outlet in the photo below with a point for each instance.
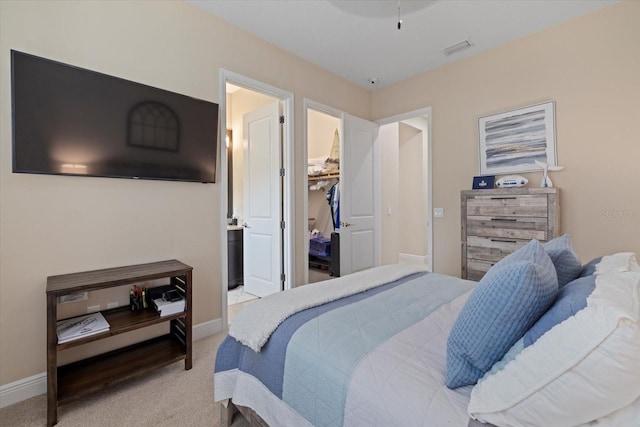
(438, 213)
(93, 308)
(74, 297)
(112, 305)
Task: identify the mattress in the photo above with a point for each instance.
(375, 358)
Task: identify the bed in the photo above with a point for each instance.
(378, 348)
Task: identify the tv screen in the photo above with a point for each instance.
(72, 121)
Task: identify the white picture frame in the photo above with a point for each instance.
(512, 141)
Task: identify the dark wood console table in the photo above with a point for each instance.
(70, 382)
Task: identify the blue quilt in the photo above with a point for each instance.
(308, 360)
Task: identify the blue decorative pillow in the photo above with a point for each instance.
(571, 299)
(506, 302)
(590, 268)
(564, 258)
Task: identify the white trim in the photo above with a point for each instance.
(23, 389)
(377, 196)
(414, 259)
(207, 329)
(287, 100)
(428, 160)
(222, 126)
(334, 112)
(36, 385)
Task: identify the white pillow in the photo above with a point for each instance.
(583, 369)
(618, 263)
(624, 417)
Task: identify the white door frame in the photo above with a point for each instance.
(428, 164)
(286, 98)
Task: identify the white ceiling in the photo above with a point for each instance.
(359, 39)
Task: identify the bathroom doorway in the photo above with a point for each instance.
(255, 140)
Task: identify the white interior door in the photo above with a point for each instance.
(359, 229)
(262, 237)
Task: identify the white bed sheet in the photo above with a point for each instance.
(400, 383)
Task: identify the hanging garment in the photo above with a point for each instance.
(333, 197)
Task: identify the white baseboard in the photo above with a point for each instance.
(414, 259)
(35, 385)
(23, 389)
(206, 329)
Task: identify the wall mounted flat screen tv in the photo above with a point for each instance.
(72, 121)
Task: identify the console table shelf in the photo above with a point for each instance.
(122, 320)
(75, 380)
(91, 375)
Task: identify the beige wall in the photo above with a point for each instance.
(412, 193)
(388, 137)
(321, 128)
(55, 224)
(51, 225)
(590, 66)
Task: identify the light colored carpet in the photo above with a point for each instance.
(168, 397)
(318, 275)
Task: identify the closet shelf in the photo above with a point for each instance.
(329, 175)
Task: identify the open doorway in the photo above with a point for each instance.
(406, 189)
(323, 195)
(257, 154)
(356, 243)
(240, 102)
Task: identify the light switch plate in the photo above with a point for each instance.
(438, 212)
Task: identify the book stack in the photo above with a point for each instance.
(166, 307)
(80, 327)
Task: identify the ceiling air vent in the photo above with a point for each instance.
(457, 47)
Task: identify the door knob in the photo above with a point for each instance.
(345, 224)
(245, 225)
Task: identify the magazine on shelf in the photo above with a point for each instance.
(80, 327)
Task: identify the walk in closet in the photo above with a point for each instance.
(323, 194)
